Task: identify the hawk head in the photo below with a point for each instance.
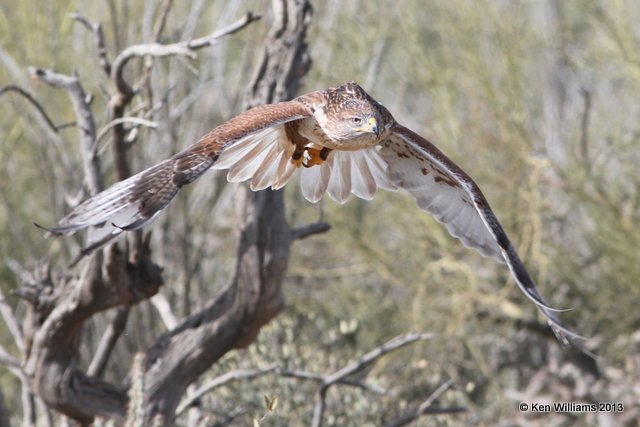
(351, 114)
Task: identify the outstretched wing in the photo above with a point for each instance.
(444, 190)
(134, 202)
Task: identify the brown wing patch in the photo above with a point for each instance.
(256, 119)
(443, 179)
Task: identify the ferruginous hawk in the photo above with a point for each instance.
(343, 142)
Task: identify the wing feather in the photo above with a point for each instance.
(340, 181)
(315, 180)
(360, 172)
(266, 174)
(247, 166)
(362, 180)
(444, 190)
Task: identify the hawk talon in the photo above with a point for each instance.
(313, 157)
(310, 157)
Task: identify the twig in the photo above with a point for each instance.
(98, 36)
(86, 124)
(427, 407)
(220, 381)
(435, 395)
(165, 8)
(391, 345)
(158, 27)
(33, 101)
(357, 365)
(345, 381)
(309, 230)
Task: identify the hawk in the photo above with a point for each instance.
(343, 142)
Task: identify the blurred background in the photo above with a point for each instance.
(537, 100)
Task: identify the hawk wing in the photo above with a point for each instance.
(445, 191)
(136, 201)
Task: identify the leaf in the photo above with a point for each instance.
(267, 401)
(273, 404)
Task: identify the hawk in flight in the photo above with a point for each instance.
(343, 142)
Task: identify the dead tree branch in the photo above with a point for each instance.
(303, 375)
(427, 408)
(309, 230)
(226, 378)
(358, 365)
(33, 101)
(86, 124)
(113, 123)
(165, 8)
(98, 36)
(185, 48)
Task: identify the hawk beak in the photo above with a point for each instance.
(373, 126)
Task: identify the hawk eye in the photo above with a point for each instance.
(356, 120)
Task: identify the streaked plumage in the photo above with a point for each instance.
(345, 143)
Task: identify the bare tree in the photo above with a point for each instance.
(61, 303)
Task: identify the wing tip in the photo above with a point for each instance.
(57, 231)
(567, 337)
